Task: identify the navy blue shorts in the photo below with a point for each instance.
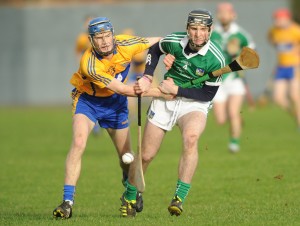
(110, 112)
(286, 73)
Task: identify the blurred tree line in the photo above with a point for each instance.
(295, 5)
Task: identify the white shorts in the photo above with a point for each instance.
(165, 114)
(230, 86)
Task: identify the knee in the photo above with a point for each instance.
(79, 143)
(190, 141)
(295, 98)
(147, 157)
(234, 115)
(279, 100)
(221, 120)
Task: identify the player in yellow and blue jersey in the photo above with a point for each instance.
(82, 44)
(100, 96)
(285, 37)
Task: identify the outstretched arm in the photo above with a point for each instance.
(206, 93)
(153, 56)
(126, 90)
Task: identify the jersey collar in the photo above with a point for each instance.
(201, 52)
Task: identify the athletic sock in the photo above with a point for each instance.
(235, 140)
(69, 192)
(182, 190)
(130, 192)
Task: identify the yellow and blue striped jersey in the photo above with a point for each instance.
(95, 73)
(287, 42)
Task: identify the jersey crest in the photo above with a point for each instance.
(200, 71)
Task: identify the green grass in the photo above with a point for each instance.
(228, 189)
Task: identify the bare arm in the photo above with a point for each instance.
(155, 92)
(120, 88)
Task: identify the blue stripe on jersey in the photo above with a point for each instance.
(124, 74)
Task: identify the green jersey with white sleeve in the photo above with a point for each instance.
(188, 67)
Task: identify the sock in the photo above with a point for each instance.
(235, 140)
(69, 192)
(182, 190)
(130, 192)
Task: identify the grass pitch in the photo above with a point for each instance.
(258, 186)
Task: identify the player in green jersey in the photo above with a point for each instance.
(195, 56)
(229, 98)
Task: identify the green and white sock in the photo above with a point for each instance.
(130, 192)
(235, 141)
(182, 190)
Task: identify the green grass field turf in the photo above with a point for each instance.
(227, 189)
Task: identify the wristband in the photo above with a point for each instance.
(145, 77)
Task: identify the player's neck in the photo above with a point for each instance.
(194, 48)
(226, 26)
(108, 57)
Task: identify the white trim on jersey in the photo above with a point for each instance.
(161, 49)
(218, 82)
(217, 54)
(202, 51)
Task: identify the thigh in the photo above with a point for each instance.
(280, 88)
(121, 139)
(294, 88)
(220, 111)
(82, 126)
(220, 103)
(192, 124)
(152, 138)
(235, 103)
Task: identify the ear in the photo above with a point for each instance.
(187, 30)
(90, 39)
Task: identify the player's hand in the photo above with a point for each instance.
(143, 84)
(168, 87)
(233, 47)
(168, 61)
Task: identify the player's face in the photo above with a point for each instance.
(225, 16)
(282, 22)
(198, 34)
(104, 41)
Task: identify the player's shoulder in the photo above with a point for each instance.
(90, 59)
(213, 45)
(123, 37)
(87, 53)
(128, 40)
(215, 52)
(174, 37)
(296, 26)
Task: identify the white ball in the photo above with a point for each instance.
(127, 158)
